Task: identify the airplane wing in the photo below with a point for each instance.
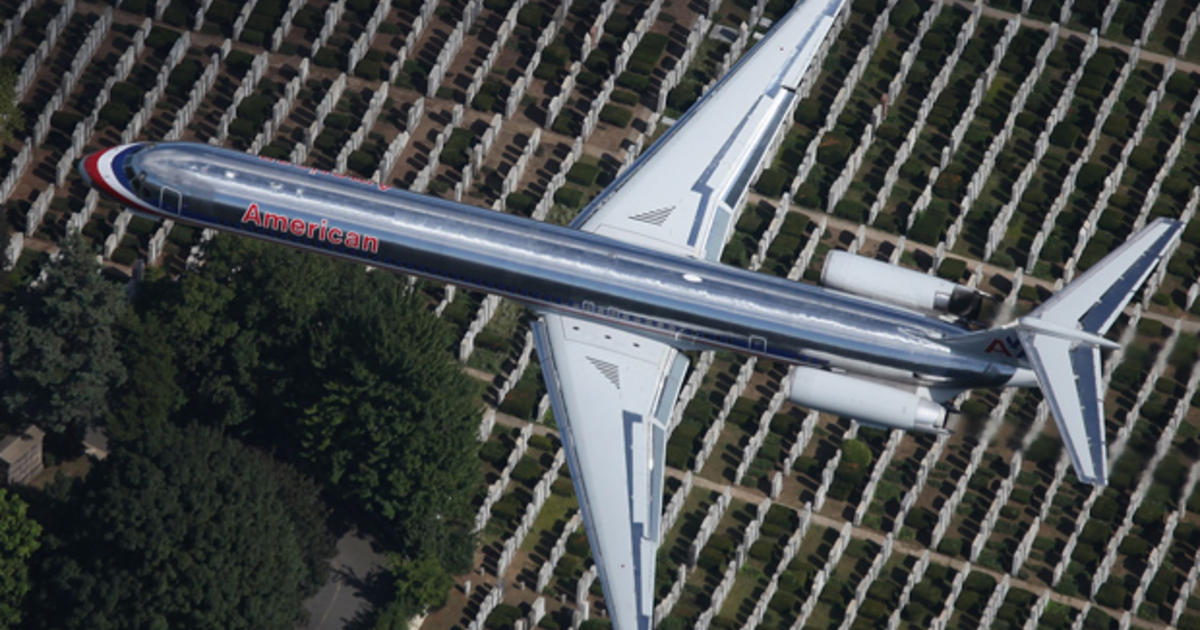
(683, 194)
(612, 390)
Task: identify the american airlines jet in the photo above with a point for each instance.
(634, 282)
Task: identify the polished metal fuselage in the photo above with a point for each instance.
(691, 303)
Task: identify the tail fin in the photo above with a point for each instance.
(1062, 340)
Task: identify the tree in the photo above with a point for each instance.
(11, 120)
(58, 344)
(19, 539)
(179, 528)
(152, 394)
(418, 585)
(393, 421)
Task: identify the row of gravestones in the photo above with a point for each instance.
(822, 577)
(1151, 195)
(324, 108)
(12, 25)
(281, 108)
(281, 30)
(254, 74)
(541, 492)
(695, 37)
(790, 549)
(1041, 145)
(842, 183)
(999, 226)
(1101, 118)
(864, 584)
(362, 44)
(557, 551)
(713, 434)
(1143, 486)
(367, 121)
(1113, 180)
(1159, 552)
(333, 14)
(843, 94)
(196, 97)
(497, 487)
(55, 28)
(721, 591)
(449, 49)
(902, 154)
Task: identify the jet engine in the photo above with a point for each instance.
(904, 287)
(866, 401)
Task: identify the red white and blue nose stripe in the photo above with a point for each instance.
(105, 171)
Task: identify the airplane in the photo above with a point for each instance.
(634, 283)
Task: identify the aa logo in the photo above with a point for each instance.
(1009, 346)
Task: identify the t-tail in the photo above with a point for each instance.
(1061, 342)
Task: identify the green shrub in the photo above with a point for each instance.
(772, 181)
(624, 97)
(583, 174)
(616, 115)
(631, 80)
(1065, 135)
(952, 269)
(362, 163)
(521, 202)
(325, 58)
(569, 197)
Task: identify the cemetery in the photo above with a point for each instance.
(1007, 145)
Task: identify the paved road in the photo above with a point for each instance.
(341, 599)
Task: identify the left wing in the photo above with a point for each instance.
(683, 194)
(613, 392)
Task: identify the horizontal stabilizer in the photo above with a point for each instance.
(1093, 301)
(1069, 374)
(1062, 338)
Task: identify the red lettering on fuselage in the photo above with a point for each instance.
(318, 231)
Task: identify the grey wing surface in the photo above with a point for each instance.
(612, 393)
(682, 194)
(613, 390)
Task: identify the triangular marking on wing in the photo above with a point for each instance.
(609, 370)
(656, 217)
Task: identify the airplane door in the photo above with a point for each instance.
(169, 199)
(758, 344)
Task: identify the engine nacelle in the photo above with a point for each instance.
(904, 287)
(867, 401)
